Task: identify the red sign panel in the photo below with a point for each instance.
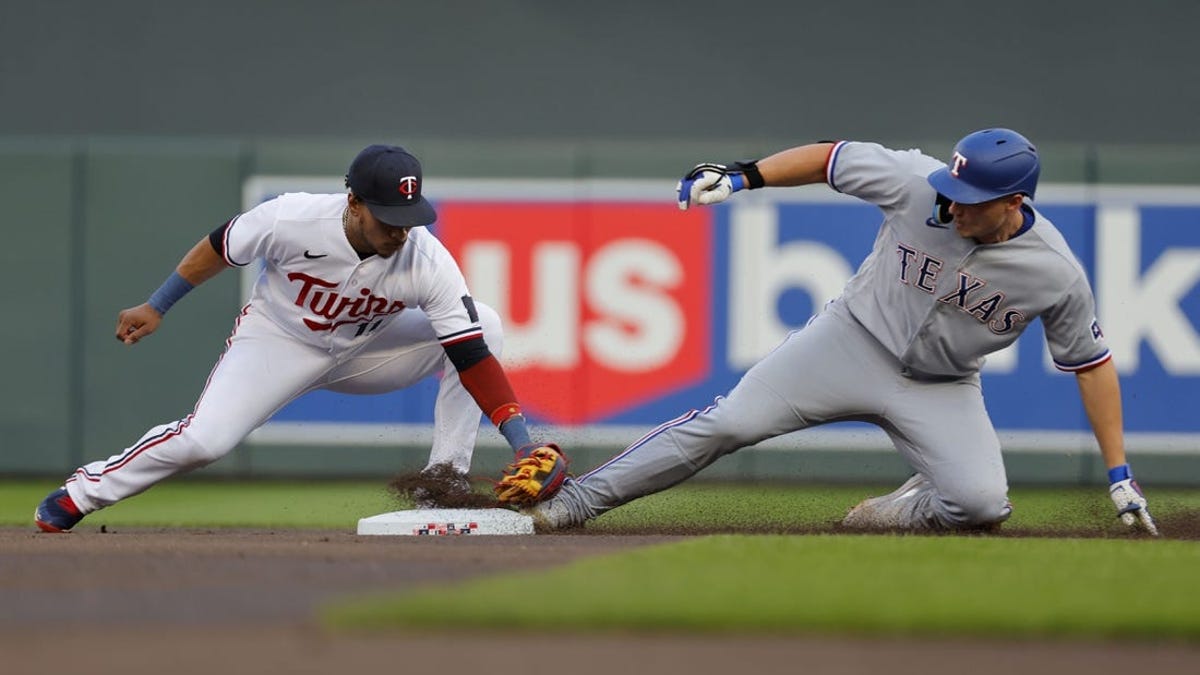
(605, 305)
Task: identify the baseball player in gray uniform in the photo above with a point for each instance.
(355, 296)
(962, 264)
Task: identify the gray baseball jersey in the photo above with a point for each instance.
(901, 349)
(940, 302)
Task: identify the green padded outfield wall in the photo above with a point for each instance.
(127, 128)
(41, 387)
(94, 224)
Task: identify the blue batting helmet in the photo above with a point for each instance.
(989, 164)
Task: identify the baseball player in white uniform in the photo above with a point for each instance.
(962, 264)
(355, 296)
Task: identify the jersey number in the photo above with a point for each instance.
(367, 327)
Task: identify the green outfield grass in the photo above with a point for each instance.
(871, 585)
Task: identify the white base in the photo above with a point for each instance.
(443, 522)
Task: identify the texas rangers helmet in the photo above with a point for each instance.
(987, 165)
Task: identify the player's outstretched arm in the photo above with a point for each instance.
(199, 265)
(710, 183)
(1100, 391)
(802, 165)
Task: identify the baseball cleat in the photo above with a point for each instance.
(869, 515)
(547, 519)
(553, 514)
(885, 512)
(57, 512)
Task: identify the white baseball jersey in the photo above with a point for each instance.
(315, 287)
(319, 317)
(940, 302)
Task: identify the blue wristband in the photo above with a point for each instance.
(174, 288)
(515, 432)
(1119, 473)
(738, 181)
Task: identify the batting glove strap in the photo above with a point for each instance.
(1119, 473)
(749, 170)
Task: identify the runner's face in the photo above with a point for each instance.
(987, 222)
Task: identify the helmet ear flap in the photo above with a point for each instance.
(941, 211)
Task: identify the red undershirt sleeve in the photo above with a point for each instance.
(488, 385)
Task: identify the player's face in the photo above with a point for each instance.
(383, 239)
(988, 222)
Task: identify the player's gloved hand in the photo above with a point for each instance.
(708, 183)
(1131, 503)
(537, 472)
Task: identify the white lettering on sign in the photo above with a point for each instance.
(626, 283)
(643, 327)
(760, 270)
(550, 336)
(1134, 306)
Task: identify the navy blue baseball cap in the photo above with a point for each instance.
(388, 179)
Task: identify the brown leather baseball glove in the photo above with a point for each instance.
(537, 472)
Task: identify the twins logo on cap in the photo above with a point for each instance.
(408, 186)
(388, 179)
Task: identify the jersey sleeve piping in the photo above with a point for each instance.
(831, 163)
(225, 244)
(1084, 366)
(460, 336)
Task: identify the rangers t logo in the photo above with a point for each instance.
(959, 162)
(408, 186)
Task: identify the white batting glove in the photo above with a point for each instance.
(707, 184)
(1131, 503)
